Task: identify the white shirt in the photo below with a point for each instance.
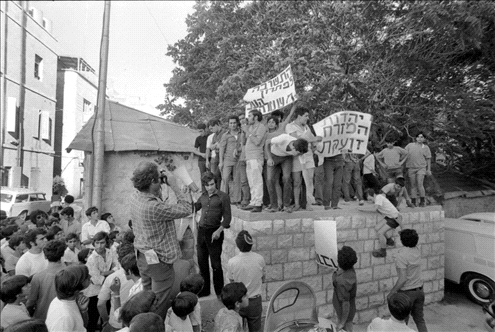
(385, 207)
(369, 164)
(63, 316)
(12, 314)
(279, 145)
(388, 325)
(88, 230)
(173, 323)
(209, 141)
(105, 294)
(30, 264)
(247, 267)
(70, 256)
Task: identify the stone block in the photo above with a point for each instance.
(298, 240)
(435, 286)
(364, 275)
(438, 226)
(308, 225)
(440, 273)
(429, 298)
(371, 221)
(367, 288)
(438, 296)
(279, 256)
(271, 288)
(358, 221)
(419, 228)
(434, 262)
(315, 282)
(284, 241)
(309, 239)
(348, 235)
(321, 298)
(376, 300)
(361, 303)
(441, 284)
(266, 256)
(257, 228)
(385, 285)
(293, 225)
(428, 286)
(274, 272)
(278, 227)
(312, 253)
(363, 234)
(375, 261)
(414, 217)
(327, 281)
(425, 250)
(310, 268)
(343, 222)
(383, 311)
(358, 246)
(381, 271)
(437, 248)
(364, 259)
(424, 264)
(372, 233)
(263, 242)
(429, 275)
(436, 215)
(433, 237)
(326, 311)
(369, 245)
(424, 216)
(298, 254)
(367, 315)
(292, 270)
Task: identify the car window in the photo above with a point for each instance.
(41, 197)
(33, 197)
(6, 198)
(21, 198)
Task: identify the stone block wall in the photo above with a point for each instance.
(286, 241)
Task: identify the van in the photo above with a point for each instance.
(15, 200)
(470, 254)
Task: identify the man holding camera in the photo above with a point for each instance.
(154, 228)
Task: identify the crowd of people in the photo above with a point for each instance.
(272, 163)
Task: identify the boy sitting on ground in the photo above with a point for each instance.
(177, 319)
(194, 283)
(399, 306)
(234, 297)
(385, 228)
(14, 292)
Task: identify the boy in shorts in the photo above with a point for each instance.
(385, 228)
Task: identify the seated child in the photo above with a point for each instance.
(140, 303)
(147, 321)
(344, 288)
(396, 191)
(399, 306)
(177, 319)
(194, 283)
(30, 325)
(14, 292)
(384, 228)
(70, 254)
(234, 297)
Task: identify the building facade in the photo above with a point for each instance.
(28, 74)
(77, 90)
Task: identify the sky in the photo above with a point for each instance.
(140, 32)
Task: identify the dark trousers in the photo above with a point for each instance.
(333, 172)
(417, 298)
(252, 313)
(370, 181)
(158, 278)
(245, 191)
(215, 170)
(319, 184)
(281, 165)
(212, 250)
(93, 313)
(202, 169)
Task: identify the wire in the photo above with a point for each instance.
(166, 40)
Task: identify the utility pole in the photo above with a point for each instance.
(99, 134)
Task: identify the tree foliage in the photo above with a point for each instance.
(415, 66)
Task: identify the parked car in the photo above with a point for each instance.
(15, 200)
(470, 254)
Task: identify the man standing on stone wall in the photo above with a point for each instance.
(418, 165)
(154, 228)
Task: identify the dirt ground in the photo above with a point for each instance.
(455, 313)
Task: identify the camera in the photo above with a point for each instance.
(163, 177)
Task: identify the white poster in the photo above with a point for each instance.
(272, 95)
(343, 130)
(326, 242)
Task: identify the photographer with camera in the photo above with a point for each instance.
(154, 228)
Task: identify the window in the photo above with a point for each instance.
(21, 198)
(87, 110)
(38, 67)
(45, 127)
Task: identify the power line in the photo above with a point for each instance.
(145, 3)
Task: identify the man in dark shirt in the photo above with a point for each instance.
(200, 145)
(215, 217)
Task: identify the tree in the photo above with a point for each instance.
(426, 66)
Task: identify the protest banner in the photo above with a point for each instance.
(272, 95)
(326, 243)
(343, 130)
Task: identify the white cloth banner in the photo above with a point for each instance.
(272, 95)
(326, 242)
(343, 130)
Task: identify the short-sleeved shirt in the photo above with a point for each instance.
(30, 264)
(12, 314)
(247, 267)
(369, 164)
(345, 284)
(105, 294)
(418, 153)
(88, 230)
(255, 143)
(280, 143)
(388, 325)
(391, 157)
(70, 257)
(410, 259)
(200, 143)
(209, 142)
(229, 320)
(385, 207)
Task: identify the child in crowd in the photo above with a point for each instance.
(147, 321)
(234, 297)
(54, 233)
(396, 191)
(399, 306)
(15, 291)
(344, 288)
(140, 303)
(194, 283)
(69, 310)
(108, 217)
(385, 228)
(248, 267)
(83, 255)
(13, 252)
(70, 254)
(29, 325)
(177, 319)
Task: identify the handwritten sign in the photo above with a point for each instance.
(326, 243)
(272, 95)
(343, 130)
